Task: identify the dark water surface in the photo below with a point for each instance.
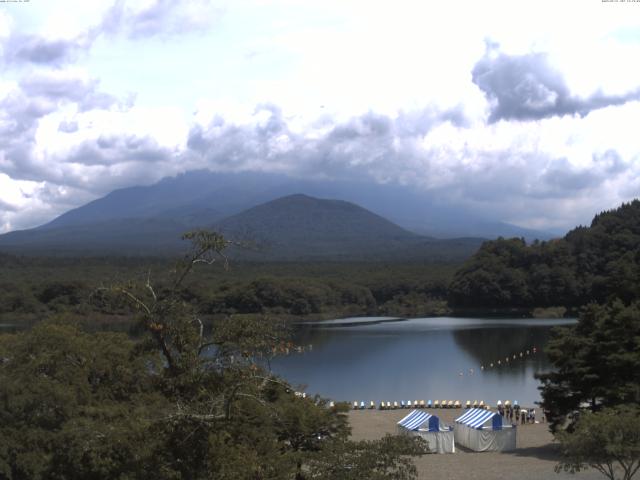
(423, 358)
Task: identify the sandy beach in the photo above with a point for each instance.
(534, 459)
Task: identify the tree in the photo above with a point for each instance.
(386, 459)
(596, 263)
(178, 403)
(74, 405)
(608, 441)
(596, 363)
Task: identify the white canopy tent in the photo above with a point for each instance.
(440, 439)
(484, 431)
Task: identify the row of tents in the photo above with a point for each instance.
(478, 429)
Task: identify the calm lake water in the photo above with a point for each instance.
(423, 358)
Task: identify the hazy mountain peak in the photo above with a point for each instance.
(200, 197)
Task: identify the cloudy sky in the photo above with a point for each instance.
(527, 112)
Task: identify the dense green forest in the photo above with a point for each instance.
(590, 264)
(32, 288)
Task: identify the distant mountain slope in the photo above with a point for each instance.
(196, 197)
(296, 227)
(122, 236)
(202, 197)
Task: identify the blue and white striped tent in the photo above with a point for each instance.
(479, 418)
(484, 431)
(427, 426)
(417, 419)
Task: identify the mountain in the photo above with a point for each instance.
(303, 227)
(187, 196)
(295, 227)
(203, 197)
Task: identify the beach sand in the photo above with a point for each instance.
(534, 459)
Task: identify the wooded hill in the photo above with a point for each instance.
(590, 264)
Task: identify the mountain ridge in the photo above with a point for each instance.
(294, 227)
(188, 196)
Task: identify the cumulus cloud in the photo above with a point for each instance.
(57, 86)
(160, 18)
(374, 144)
(113, 150)
(34, 98)
(527, 87)
(500, 180)
(36, 49)
(408, 149)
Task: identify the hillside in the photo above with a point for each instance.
(306, 228)
(589, 264)
(303, 226)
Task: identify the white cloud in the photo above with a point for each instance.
(376, 90)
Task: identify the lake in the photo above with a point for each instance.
(423, 358)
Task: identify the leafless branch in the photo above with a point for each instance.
(150, 288)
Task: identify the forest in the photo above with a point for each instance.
(32, 288)
(589, 264)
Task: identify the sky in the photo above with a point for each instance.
(525, 112)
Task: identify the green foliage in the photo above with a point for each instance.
(178, 403)
(589, 264)
(294, 296)
(608, 441)
(387, 458)
(32, 289)
(597, 363)
(69, 397)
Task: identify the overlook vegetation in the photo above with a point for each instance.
(177, 403)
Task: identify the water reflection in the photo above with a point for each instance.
(435, 358)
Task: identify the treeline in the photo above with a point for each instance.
(32, 289)
(307, 296)
(590, 264)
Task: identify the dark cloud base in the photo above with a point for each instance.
(526, 87)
